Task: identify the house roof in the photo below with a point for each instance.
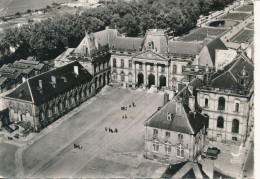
(181, 47)
(185, 170)
(229, 76)
(187, 122)
(30, 91)
(127, 43)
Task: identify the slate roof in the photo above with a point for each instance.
(188, 122)
(228, 77)
(185, 170)
(181, 47)
(127, 43)
(2, 80)
(29, 90)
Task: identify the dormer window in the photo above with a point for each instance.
(170, 117)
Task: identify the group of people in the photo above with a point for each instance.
(77, 146)
(129, 106)
(111, 130)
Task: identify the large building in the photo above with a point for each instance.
(15, 73)
(44, 98)
(142, 61)
(175, 132)
(227, 99)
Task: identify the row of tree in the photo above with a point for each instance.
(49, 38)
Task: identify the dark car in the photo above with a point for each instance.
(10, 138)
(215, 148)
(211, 154)
(16, 136)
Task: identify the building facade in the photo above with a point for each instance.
(41, 100)
(175, 132)
(227, 100)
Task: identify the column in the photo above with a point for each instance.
(156, 74)
(167, 75)
(145, 75)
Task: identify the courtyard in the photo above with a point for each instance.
(53, 155)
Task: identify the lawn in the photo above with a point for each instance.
(250, 26)
(7, 160)
(201, 34)
(243, 36)
(246, 8)
(235, 16)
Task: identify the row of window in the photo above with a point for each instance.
(174, 69)
(168, 148)
(235, 124)
(221, 104)
(99, 67)
(167, 134)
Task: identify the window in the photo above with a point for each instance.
(151, 67)
(180, 136)
(140, 66)
(174, 69)
(114, 62)
(169, 117)
(155, 146)
(180, 150)
(49, 112)
(235, 126)
(130, 63)
(168, 148)
(206, 102)
(55, 109)
(167, 134)
(237, 107)
(155, 132)
(221, 103)
(220, 122)
(130, 76)
(67, 103)
(95, 68)
(122, 63)
(122, 76)
(163, 69)
(234, 138)
(183, 68)
(61, 106)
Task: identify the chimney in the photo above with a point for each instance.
(40, 84)
(192, 103)
(76, 70)
(190, 88)
(53, 81)
(96, 43)
(178, 107)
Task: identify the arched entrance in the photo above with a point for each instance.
(162, 81)
(151, 80)
(140, 78)
(108, 77)
(96, 85)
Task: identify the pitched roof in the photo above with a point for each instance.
(185, 170)
(181, 47)
(188, 122)
(228, 77)
(31, 92)
(127, 43)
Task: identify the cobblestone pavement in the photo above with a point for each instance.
(53, 155)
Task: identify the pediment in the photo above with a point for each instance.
(150, 55)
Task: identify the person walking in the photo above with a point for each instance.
(116, 130)
(125, 116)
(105, 128)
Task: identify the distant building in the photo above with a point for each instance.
(153, 60)
(44, 98)
(227, 99)
(175, 132)
(15, 73)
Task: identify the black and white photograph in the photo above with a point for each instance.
(128, 89)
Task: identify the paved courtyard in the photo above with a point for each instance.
(103, 153)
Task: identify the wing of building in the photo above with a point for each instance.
(44, 98)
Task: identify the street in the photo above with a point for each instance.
(249, 165)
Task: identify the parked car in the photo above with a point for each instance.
(10, 138)
(16, 136)
(215, 148)
(211, 153)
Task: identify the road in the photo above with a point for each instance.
(249, 165)
(54, 155)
